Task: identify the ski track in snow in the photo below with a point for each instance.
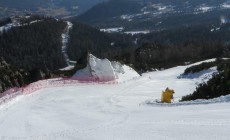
(65, 39)
(117, 112)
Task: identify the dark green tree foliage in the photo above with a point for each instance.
(217, 86)
(109, 14)
(87, 39)
(172, 47)
(162, 49)
(4, 21)
(152, 55)
(11, 76)
(81, 63)
(187, 35)
(101, 13)
(34, 46)
(202, 66)
(32, 17)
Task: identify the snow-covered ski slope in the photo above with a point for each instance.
(117, 112)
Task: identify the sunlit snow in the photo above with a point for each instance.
(123, 111)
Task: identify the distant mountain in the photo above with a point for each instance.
(155, 14)
(56, 8)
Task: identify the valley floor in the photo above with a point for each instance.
(117, 112)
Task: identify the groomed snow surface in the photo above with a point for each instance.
(124, 111)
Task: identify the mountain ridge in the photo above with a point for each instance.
(155, 14)
(54, 8)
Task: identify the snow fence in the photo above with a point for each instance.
(59, 82)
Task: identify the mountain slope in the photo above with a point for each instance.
(31, 47)
(57, 8)
(104, 12)
(36, 45)
(84, 38)
(154, 14)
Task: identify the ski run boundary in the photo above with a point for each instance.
(49, 83)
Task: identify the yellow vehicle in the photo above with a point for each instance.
(167, 95)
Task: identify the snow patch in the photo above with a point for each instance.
(104, 70)
(203, 9)
(35, 21)
(226, 5)
(70, 67)
(8, 26)
(113, 30)
(137, 32)
(224, 20)
(203, 75)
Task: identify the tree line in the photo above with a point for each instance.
(218, 85)
(33, 46)
(31, 52)
(162, 49)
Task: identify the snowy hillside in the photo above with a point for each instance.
(136, 16)
(104, 70)
(124, 111)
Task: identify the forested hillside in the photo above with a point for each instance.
(33, 46)
(102, 13)
(4, 21)
(30, 52)
(11, 76)
(135, 15)
(54, 8)
(218, 86)
(160, 49)
(36, 48)
(172, 47)
(84, 38)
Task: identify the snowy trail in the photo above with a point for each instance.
(116, 112)
(65, 39)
